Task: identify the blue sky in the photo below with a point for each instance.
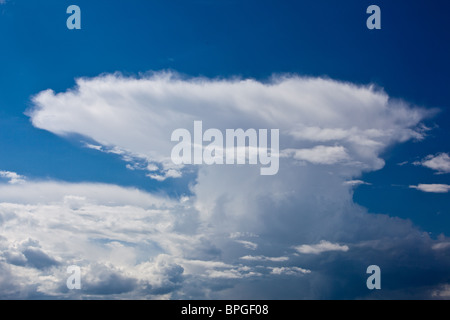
(407, 61)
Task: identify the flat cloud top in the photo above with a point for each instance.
(350, 123)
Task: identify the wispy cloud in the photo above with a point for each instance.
(248, 244)
(136, 162)
(355, 183)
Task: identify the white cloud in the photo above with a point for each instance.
(129, 243)
(263, 258)
(13, 178)
(439, 162)
(170, 173)
(291, 271)
(134, 161)
(322, 246)
(355, 183)
(233, 274)
(358, 121)
(432, 188)
(105, 229)
(49, 192)
(319, 154)
(341, 130)
(132, 244)
(93, 146)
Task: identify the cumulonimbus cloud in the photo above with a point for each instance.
(330, 132)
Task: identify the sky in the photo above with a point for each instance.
(86, 177)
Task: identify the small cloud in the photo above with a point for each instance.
(93, 146)
(184, 199)
(130, 167)
(441, 246)
(355, 183)
(322, 246)
(237, 235)
(171, 173)
(13, 177)
(401, 164)
(263, 258)
(152, 167)
(237, 273)
(290, 271)
(442, 293)
(432, 188)
(248, 244)
(439, 163)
